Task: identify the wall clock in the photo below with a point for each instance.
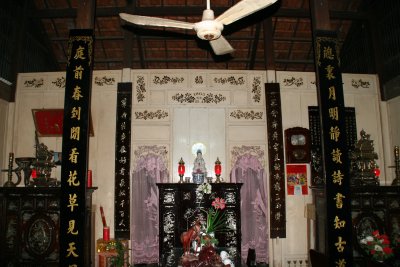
(297, 145)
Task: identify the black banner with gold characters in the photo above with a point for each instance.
(122, 161)
(276, 161)
(75, 146)
(335, 151)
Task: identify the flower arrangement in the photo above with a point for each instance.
(215, 219)
(377, 246)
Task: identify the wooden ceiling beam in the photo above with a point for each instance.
(186, 11)
(209, 60)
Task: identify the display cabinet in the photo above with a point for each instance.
(178, 202)
(29, 228)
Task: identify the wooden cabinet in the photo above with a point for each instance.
(177, 202)
(29, 229)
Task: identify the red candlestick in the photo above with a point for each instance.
(89, 178)
(217, 167)
(106, 233)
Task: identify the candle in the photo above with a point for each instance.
(89, 178)
(106, 233)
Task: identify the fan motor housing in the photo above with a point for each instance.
(208, 29)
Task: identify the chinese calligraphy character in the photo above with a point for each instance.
(122, 160)
(340, 244)
(339, 223)
(328, 53)
(73, 156)
(332, 93)
(123, 102)
(71, 227)
(334, 133)
(341, 263)
(72, 201)
(334, 113)
(78, 72)
(122, 150)
(123, 126)
(329, 72)
(337, 177)
(71, 250)
(75, 133)
(80, 53)
(339, 200)
(77, 93)
(76, 113)
(336, 154)
(72, 180)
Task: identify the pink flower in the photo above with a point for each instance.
(218, 203)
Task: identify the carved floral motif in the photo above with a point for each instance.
(256, 89)
(230, 80)
(293, 81)
(198, 79)
(145, 115)
(166, 79)
(104, 81)
(140, 88)
(248, 115)
(198, 97)
(59, 82)
(360, 83)
(34, 83)
(238, 151)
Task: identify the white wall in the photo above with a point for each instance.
(189, 122)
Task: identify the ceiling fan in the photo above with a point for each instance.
(208, 28)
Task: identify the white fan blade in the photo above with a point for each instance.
(221, 46)
(243, 9)
(154, 21)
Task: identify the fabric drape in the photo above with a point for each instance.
(254, 207)
(145, 245)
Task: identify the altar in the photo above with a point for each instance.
(178, 202)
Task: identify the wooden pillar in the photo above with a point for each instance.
(85, 14)
(335, 156)
(75, 240)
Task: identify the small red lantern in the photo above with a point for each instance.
(377, 172)
(217, 170)
(181, 170)
(34, 174)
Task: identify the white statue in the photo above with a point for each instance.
(199, 165)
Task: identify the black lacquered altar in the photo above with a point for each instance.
(178, 200)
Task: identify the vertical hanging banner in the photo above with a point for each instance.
(334, 150)
(276, 161)
(75, 144)
(122, 161)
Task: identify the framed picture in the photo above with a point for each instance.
(297, 179)
(49, 122)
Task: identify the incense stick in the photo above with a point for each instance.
(103, 218)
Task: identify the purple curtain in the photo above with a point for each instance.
(149, 171)
(248, 170)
